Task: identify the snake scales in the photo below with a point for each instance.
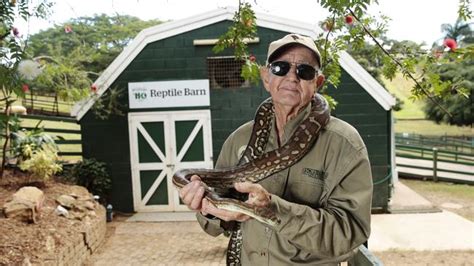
(259, 165)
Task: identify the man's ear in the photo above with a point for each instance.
(320, 79)
(264, 75)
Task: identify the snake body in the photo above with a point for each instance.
(259, 165)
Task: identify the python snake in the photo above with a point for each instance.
(259, 165)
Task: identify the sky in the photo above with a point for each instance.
(416, 20)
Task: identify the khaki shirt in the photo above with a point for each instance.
(323, 201)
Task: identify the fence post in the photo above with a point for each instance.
(456, 154)
(421, 145)
(435, 164)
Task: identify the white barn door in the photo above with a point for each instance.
(160, 144)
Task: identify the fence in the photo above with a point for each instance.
(458, 152)
(434, 153)
(65, 130)
(46, 104)
(462, 144)
(364, 258)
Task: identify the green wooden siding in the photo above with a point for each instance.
(176, 58)
(233, 107)
(359, 109)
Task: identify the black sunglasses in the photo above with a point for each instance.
(303, 71)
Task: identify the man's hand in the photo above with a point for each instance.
(193, 193)
(258, 196)
(193, 196)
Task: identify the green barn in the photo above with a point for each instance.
(182, 101)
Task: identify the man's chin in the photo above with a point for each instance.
(289, 103)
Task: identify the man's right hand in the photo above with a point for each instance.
(193, 193)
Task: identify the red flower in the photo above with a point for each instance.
(93, 88)
(320, 80)
(349, 19)
(67, 29)
(15, 32)
(252, 58)
(25, 88)
(450, 43)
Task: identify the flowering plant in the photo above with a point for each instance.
(29, 69)
(14, 71)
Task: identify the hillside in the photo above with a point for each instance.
(411, 118)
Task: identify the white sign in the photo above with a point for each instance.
(164, 94)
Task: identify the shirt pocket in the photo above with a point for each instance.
(303, 189)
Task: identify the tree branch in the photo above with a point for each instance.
(327, 40)
(404, 71)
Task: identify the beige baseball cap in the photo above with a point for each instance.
(292, 38)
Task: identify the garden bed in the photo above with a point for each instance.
(53, 239)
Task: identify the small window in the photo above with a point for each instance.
(224, 72)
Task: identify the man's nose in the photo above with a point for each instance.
(292, 73)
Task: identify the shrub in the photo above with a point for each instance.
(26, 143)
(93, 175)
(42, 162)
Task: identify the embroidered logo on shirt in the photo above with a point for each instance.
(317, 174)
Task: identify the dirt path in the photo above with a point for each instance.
(426, 258)
(170, 243)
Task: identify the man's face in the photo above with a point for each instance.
(290, 91)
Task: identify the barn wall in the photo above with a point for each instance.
(231, 108)
(359, 109)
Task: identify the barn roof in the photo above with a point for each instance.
(173, 28)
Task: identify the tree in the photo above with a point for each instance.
(92, 42)
(348, 25)
(74, 53)
(460, 31)
(371, 58)
(460, 105)
(458, 77)
(62, 76)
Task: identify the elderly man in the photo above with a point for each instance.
(323, 201)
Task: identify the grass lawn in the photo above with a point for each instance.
(47, 124)
(411, 118)
(45, 103)
(448, 190)
(430, 128)
(401, 87)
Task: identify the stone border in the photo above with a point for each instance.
(84, 243)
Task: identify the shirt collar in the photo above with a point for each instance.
(289, 128)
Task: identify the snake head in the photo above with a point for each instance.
(266, 215)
